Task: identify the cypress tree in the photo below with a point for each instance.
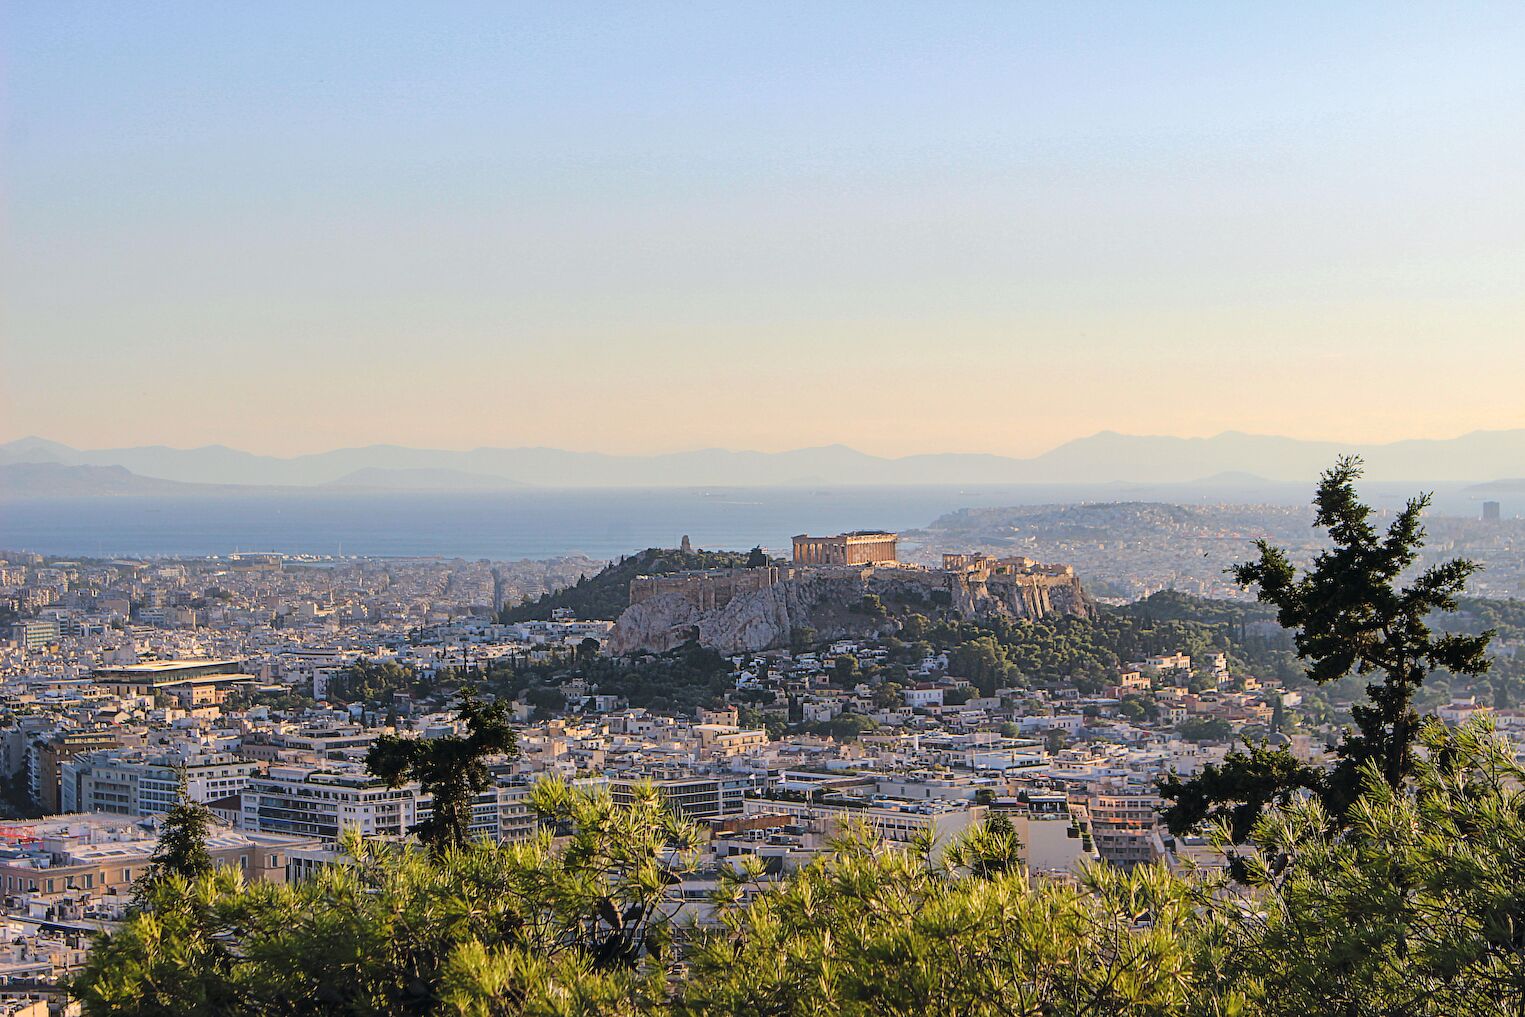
(450, 769)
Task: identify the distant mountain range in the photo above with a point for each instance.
(1498, 488)
(55, 480)
(1107, 457)
(421, 479)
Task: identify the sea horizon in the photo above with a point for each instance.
(539, 523)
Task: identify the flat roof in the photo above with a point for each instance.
(161, 666)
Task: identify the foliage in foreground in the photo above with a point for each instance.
(576, 925)
(867, 931)
(1413, 908)
(1417, 906)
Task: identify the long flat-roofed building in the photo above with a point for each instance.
(164, 672)
(194, 682)
(861, 547)
(139, 782)
(309, 801)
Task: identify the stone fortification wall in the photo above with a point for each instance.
(829, 601)
(709, 590)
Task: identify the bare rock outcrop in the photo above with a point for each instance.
(1020, 596)
(830, 603)
(659, 624)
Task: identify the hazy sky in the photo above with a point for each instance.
(905, 227)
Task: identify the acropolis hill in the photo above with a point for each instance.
(830, 588)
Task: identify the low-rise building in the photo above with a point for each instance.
(106, 854)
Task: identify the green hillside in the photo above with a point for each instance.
(606, 594)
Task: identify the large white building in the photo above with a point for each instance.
(1056, 838)
(132, 782)
(698, 796)
(329, 801)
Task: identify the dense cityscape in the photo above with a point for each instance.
(993, 509)
(939, 698)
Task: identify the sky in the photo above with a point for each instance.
(644, 227)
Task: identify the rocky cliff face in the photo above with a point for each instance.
(1035, 596)
(830, 601)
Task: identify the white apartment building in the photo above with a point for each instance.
(136, 783)
(515, 821)
(693, 797)
(328, 802)
(922, 697)
(1055, 837)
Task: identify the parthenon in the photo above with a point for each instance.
(861, 547)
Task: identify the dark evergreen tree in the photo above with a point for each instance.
(451, 769)
(1350, 614)
(182, 847)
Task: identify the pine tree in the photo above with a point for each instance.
(450, 769)
(1350, 614)
(182, 847)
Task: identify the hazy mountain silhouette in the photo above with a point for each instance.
(1496, 488)
(55, 480)
(421, 479)
(1101, 458)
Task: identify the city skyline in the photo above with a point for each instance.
(643, 231)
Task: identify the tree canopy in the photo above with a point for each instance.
(606, 594)
(1414, 907)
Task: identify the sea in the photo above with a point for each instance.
(508, 525)
(499, 525)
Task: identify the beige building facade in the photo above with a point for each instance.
(861, 547)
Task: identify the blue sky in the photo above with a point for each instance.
(647, 227)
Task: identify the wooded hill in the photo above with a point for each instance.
(607, 594)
